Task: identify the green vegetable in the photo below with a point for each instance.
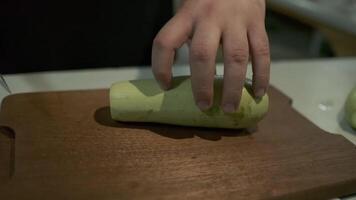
(144, 101)
(350, 108)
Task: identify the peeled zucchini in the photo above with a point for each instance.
(144, 101)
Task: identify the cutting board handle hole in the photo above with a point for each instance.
(7, 132)
(7, 143)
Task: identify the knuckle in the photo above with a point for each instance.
(161, 42)
(238, 55)
(208, 7)
(201, 54)
(262, 49)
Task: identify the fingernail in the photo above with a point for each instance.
(229, 108)
(203, 105)
(260, 93)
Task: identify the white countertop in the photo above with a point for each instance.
(339, 14)
(318, 88)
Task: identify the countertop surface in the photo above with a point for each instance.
(318, 88)
(340, 14)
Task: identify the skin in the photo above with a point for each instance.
(238, 26)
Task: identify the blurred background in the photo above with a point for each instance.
(41, 35)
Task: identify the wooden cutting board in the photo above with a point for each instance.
(63, 145)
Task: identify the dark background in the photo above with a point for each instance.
(37, 35)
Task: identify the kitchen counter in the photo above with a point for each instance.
(333, 21)
(318, 88)
(337, 14)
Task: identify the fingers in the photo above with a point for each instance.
(259, 49)
(170, 37)
(236, 55)
(202, 56)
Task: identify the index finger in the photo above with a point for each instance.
(171, 37)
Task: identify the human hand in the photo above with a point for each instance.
(238, 25)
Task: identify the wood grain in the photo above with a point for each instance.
(66, 146)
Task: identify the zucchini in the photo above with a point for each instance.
(144, 101)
